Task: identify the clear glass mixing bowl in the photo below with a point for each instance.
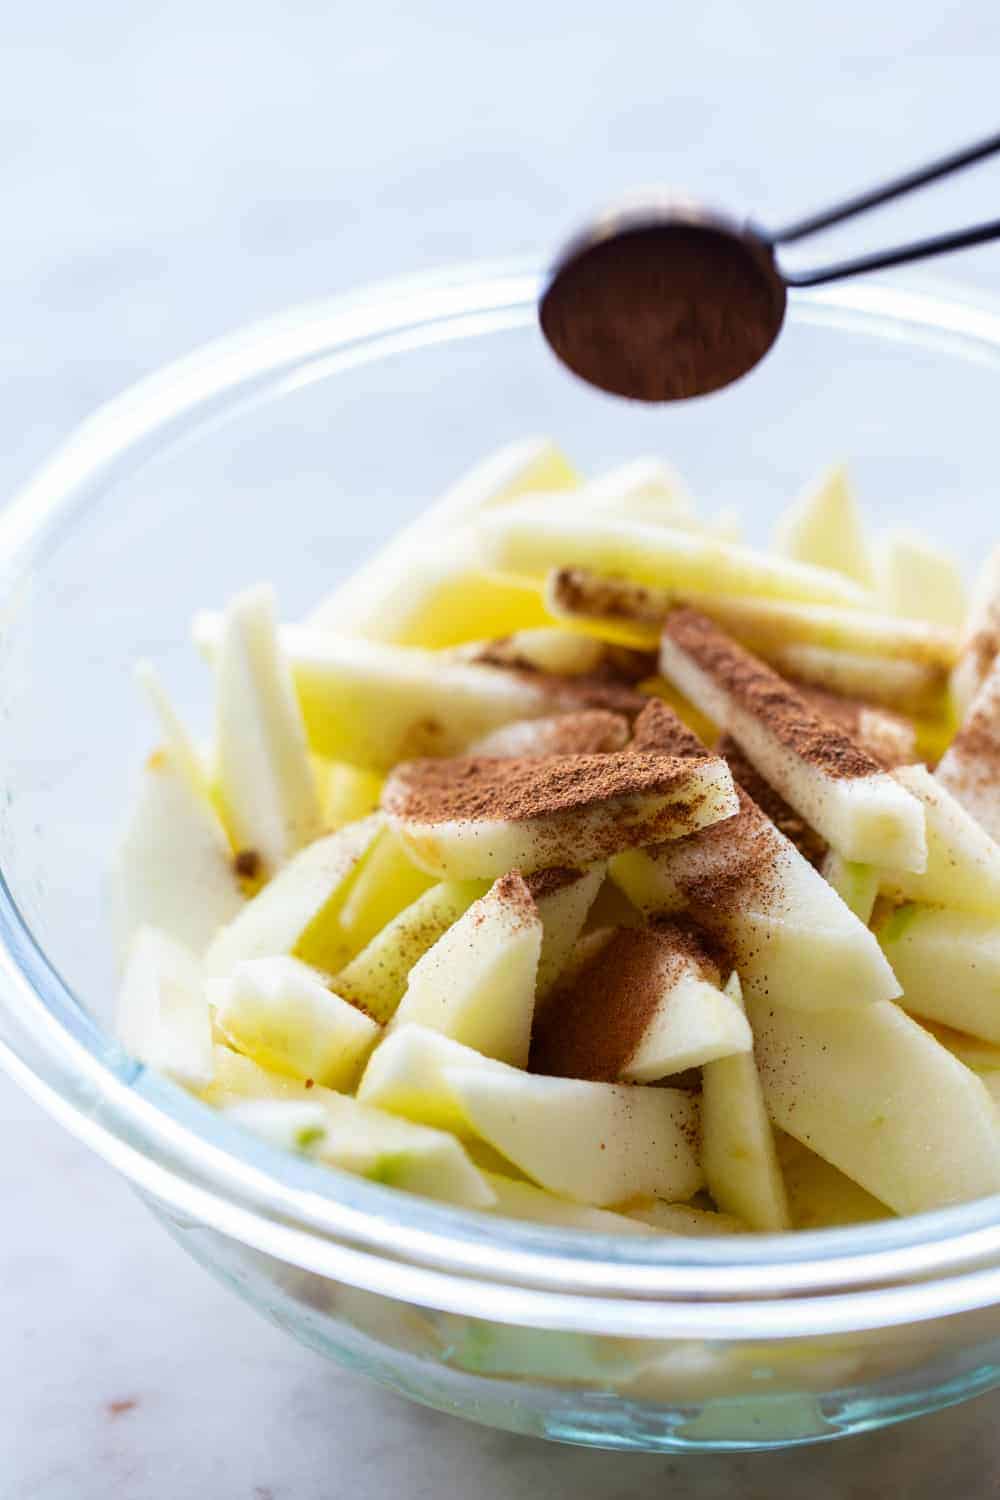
(286, 452)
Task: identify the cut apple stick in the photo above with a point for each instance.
(648, 1005)
(597, 1143)
(477, 983)
(681, 1218)
(550, 648)
(479, 817)
(284, 1015)
(948, 963)
(563, 898)
(592, 731)
(820, 1197)
(909, 687)
(919, 581)
(970, 767)
(980, 635)
(163, 1017)
(530, 538)
(387, 882)
(522, 1200)
(297, 911)
(824, 527)
(357, 606)
(376, 977)
(857, 885)
(174, 869)
(963, 862)
(839, 789)
(267, 788)
(737, 1142)
(869, 1089)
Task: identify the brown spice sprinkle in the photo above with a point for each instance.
(795, 828)
(591, 731)
(476, 788)
(661, 731)
(592, 1028)
(247, 863)
(577, 591)
(513, 890)
(771, 700)
(547, 882)
(887, 737)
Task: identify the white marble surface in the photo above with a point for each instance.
(168, 172)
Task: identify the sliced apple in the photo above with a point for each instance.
(267, 787)
(979, 1055)
(869, 1090)
(184, 753)
(174, 869)
(477, 983)
(839, 789)
(479, 817)
(297, 912)
(550, 648)
(387, 882)
(970, 767)
(824, 527)
(647, 1006)
(347, 793)
(563, 898)
(856, 884)
(919, 581)
(592, 731)
(163, 1017)
(376, 977)
(358, 606)
(643, 488)
(963, 862)
(530, 538)
(910, 687)
(948, 963)
(284, 1015)
(597, 1143)
(820, 1197)
(980, 635)
(288, 1124)
(681, 1218)
(737, 1142)
(406, 1075)
(522, 1200)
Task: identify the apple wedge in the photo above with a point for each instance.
(288, 1124)
(563, 898)
(477, 983)
(522, 1200)
(839, 789)
(163, 1017)
(857, 885)
(592, 731)
(920, 582)
(909, 687)
(267, 787)
(183, 752)
(873, 1093)
(375, 978)
(297, 912)
(963, 862)
(737, 1142)
(478, 817)
(359, 605)
(386, 883)
(820, 1197)
(596, 1143)
(980, 635)
(347, 793)
(174, 868)
(824, 527)
(970, 767)
(547, 648)
(979, 1055)
(681, 1218)
(529, 538)
(406, 1075)
(648, 1005)
(284, 1015)
(948, 963)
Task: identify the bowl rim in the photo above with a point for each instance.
(201, 1168)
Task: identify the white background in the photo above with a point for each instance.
(168, 171)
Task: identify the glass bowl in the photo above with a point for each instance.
(286, 452)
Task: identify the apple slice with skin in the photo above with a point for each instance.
(174, 868)
(477, 817)
(563, 898)
(824, 527)
(529, 537)
(868, 1090)
(980, 636)
(948, 963)
(365, 604)
(522, 1200)
(839, 789)
(477, 983)
(376, 977)
(163, 1017)
(296, 912)
(737, 1142)
(963, 862)
(919, 581)
(387, 882)
(597, 1143)
(970, 767)
(267, 787)
(748, 886)
(647, 1006)
(681, 1218)
(820, 1197)
(284, 1015)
